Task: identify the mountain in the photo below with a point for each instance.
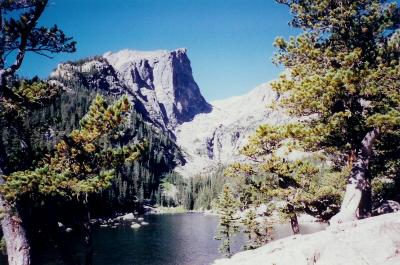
(215, 138)
(160, 83)
(161, 86)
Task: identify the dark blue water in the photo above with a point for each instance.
(178, 239)
(172, 239)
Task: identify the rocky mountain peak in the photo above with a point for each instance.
(160, 83)
(163, 82)
(161, 87)
(92, 72)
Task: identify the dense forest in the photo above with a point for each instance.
(196, 193)
(41, 128)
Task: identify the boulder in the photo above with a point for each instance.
(373, 241)
(128, 217)
(135, 226)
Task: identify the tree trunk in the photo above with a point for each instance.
(357, 200)
(18, 247)
(293, 220)
(87, 226)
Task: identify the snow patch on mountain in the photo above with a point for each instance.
(215, 138)
(162, 89)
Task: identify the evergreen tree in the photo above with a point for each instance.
(81, 164)
(288, 187)
(341, 89)
(227, 209)
(19, 34)
(258, 230)
(344, 75)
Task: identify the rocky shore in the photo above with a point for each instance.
(372, 241)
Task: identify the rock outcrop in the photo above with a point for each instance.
(93, 72)
(372, 241)
(215, 138)
(163, 83)
(160, 83)
(161, 86)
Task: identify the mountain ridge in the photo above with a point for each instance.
(161, 86)
(215, 139)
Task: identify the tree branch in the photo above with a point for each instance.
(43, 54)
(29, 26)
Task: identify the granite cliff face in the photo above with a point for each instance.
(161, 86)
(160, 83)
(215, 138)
(163, 83)
(93, 72)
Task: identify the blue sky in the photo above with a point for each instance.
(229, 42)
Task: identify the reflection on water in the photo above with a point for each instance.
(176, 239)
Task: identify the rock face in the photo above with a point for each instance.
(163, 83)
(215, 138)
(94, 72)
(373, 241)
(160, 83)
(161, 87)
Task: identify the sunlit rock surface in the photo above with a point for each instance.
(373, 241)
(161, 87)
(216, 138)
(163, 83)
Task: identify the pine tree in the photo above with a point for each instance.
(258, 230)
(288, 187)
(344, 75)
(19, 34)
(81, 164)
(341, 89)
(227, 209)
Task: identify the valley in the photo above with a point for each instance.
(118, 156)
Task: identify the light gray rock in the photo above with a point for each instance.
(373, 241)
(161, 87)
(128, 217)
(95, 73)
(135, 226)
(215, 138)
(163, 83)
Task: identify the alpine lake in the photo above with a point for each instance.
(168, 239)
